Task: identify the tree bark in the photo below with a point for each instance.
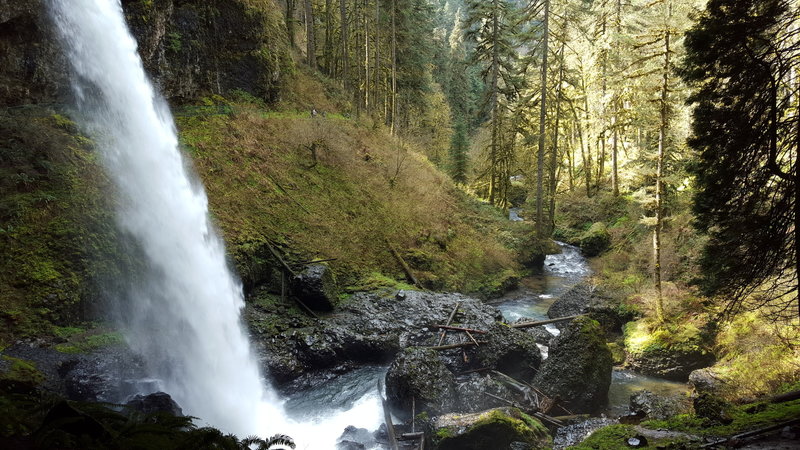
(542, 116)
(662, 136)
(345, 51)
(311, 36)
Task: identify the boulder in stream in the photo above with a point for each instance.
(578, 369)
(500, 428)
(653, 406)
(419, 377)
(510, 351)
(316, 287)
(663, 353)
(595, 240)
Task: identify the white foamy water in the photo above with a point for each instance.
(184, 312)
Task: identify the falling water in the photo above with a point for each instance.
(184, 311)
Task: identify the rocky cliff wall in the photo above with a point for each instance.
(190, 48)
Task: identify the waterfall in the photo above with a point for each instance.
(183, 313)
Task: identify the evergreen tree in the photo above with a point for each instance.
(743, 57)
(492, 26)
(458, 153)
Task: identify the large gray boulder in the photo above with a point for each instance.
(659, 407)
(316, 287)
(418, 377)
(578, 369)
(510, 351)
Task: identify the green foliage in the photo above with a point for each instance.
(595, 240)
(739, 59)
(611, 437)
(87, 342)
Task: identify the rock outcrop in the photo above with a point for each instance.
(420, 377)
(186, 46)
(578, 369)
(316, 287)
(510, 351)
(157, 402)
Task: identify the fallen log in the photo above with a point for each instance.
(469, 330)
(542, 322)
(402, 262)
(449, 321)
(452, 346)
(751, 433)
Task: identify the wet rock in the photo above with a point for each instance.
(540, 334)
(316, 287)
(713, 409)
(578, 369)
(100, 376)
(355, 439)
(574, 433)
(673, 363)
(705, 381)
(418, 375)
(586, 298)
(510, 351)
(158, 402)
(659, 407)
(368, 328)
(595, 240)
(472, 393)
(500, 428)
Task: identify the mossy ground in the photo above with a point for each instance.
(340, 189)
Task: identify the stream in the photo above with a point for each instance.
(356, 390)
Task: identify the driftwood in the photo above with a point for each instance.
(751, 433)
(287, 269)
(471, 338)
(406, 269)
(468, 330)
(537, 414)
(542, 322)
(387, 417)
(452, 346)
(787, 397)
(449, 321)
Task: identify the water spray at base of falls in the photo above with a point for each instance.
(183, 313)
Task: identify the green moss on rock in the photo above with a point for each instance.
(496, 428)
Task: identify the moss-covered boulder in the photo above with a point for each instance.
(667, 351)
(578, 369)
(420, 377)
(511, 351)
(501, 428)
(18, 376)
(316, 287)
(595, 240)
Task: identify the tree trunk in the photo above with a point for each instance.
(393, 127)
(554, 159)
(311, 36)
(290, 6)
(345, 52)
(367, 100)
(542, 116)
(330, 64)
(614, 148)
(662, 136)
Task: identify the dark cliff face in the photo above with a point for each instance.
(190, 48)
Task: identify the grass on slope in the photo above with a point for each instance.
(332, 188)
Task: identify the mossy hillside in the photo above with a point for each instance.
(332, 188)
(57, 235)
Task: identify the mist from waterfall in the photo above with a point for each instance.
(183, 313)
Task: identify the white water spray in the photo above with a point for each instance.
(184, 314)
